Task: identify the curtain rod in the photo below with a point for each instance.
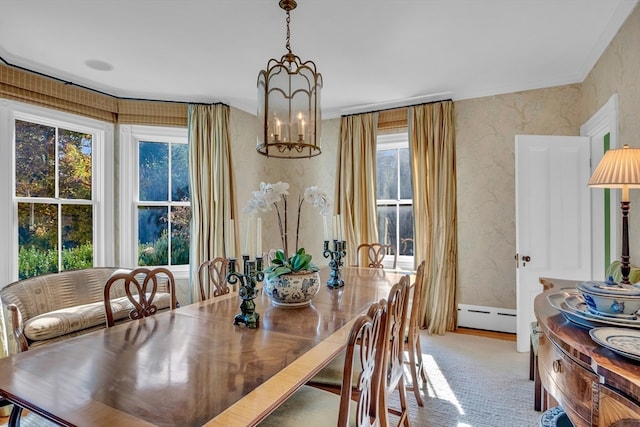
(397, 108)
(68, 83)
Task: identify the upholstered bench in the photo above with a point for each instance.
(58, 306)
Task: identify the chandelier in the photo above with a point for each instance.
(289, 104)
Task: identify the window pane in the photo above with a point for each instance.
(37, 239)
(180, 216)
(154, 171)
(387, 225)
(387, 174)
(77, 237)
(406, 191)
(179, 172)
(35, 160)
(406, 230)
(74, 154)
(152, 236)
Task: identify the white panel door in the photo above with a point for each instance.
(553, 218)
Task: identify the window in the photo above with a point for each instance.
(159, 207)
(395, 196)
(55, 163)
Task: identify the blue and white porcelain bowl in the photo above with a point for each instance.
(610, 298)
(292, 290)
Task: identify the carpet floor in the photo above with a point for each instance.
(474, 381)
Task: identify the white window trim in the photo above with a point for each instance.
(389, 142)
(102, 164)
(129, 136)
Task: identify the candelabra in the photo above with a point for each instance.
(336, 254)
(252, 273)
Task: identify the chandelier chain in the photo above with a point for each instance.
(288, 45)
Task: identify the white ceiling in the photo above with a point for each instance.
(372, 54)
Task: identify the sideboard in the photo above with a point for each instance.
(594, 386)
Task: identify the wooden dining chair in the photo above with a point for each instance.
(375, 254)
(312, 406)
(212, 278)
(396, 322)
(330, 378)
(146, 291)
(417, 369)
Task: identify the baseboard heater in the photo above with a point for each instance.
(487, 318)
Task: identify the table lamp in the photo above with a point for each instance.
(620, 168)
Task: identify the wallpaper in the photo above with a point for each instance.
(618, 71)
(485, 143)
(252, 168)
(485, 138)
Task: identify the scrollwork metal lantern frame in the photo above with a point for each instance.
(289, 113)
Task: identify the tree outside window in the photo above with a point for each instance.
(163, 203)
(54, 194)
(395, 196)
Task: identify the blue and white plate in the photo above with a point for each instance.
(577, 303)
(577, 311)
(623, 341)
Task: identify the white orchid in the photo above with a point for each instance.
(318, 198)
(273, 195)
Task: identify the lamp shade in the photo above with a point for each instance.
(619, 168)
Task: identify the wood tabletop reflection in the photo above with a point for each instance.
(192, 366)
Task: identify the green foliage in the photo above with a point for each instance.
(280, 265)
(156, 253)
(34, 262)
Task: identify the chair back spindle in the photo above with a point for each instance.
(212, 278)
(141, 287)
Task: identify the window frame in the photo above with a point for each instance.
(129, 137)
(102, 180)
(388, 142)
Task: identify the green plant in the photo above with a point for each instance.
(280, 265)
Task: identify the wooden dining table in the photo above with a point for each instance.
(192, 366)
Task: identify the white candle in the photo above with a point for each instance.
(231, 235)
(277, 127)
(259, 238)
(341, 221)
(302, 133)
(252, 238)
(325, 228)
(334, 228)
(247, 241)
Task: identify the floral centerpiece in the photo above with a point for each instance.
(281, 280)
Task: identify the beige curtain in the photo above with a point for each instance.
(433, 174)
(213, 198)
(356, 181)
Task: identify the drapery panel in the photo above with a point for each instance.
(356, 182)
(433, 174)
(213, 194)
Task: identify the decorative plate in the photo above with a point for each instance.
(583, 317)
(577, 303)
(623, 341)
